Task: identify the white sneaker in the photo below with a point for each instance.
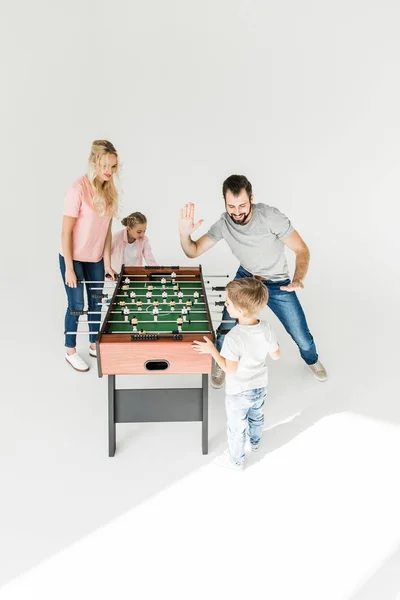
(250, 446)
(77, 362)
(93, 352)
(319, 371)
(225, 462)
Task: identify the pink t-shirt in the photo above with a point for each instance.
(90, 229)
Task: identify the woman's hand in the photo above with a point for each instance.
(70, 278)
(110, 273)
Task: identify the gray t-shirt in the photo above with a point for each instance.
(249, 345)
(257, 245)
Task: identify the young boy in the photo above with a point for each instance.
(243, 359)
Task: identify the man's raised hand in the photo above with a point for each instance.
(186, 222)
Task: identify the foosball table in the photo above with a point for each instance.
(154, 315)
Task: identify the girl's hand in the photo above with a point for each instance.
(70, 278)
(110, 273)
(203, 347)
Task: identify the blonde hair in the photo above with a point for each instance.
(247, 294)
(134, 219)
(105, 193)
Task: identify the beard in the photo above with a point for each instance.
(241, 220)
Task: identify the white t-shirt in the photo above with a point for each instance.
(249, 345)
(130, 255)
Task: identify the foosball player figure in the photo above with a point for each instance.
(196, 297)
(172, 305)
(133, 295)
(188, 305)
(155, 313)
(179, 322)
(184, 312)
(139, 304)
(134, 323)
(164, 296)
(156, 303)
(163, 282)
(125, 289)
(173, 276)
(127, 280)
(176, 289)
(180, 296)
(150, 288)
(148, 296)
(122, 302)
(126, 314)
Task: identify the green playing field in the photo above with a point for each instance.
(196, 320)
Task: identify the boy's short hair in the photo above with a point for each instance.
(248, 294)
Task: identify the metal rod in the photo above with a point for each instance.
(130, 332)
(113, 281)
(158, 322)
(150, 332)
(160, 275)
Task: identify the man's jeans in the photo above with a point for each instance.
(90, 272)
(287, 308)
(244, 411)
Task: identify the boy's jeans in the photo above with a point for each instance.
(89, 271)
(287, 308)
(244, 411)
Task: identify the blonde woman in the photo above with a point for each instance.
(130, 245)
(90, 204)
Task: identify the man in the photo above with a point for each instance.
(257, 235)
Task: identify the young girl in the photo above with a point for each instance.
(130, 245)
(85, 252)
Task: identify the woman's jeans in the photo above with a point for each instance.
(244, 411)
(287, 308)
(87, 271)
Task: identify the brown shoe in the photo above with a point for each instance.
(319, 371)
(217, 376)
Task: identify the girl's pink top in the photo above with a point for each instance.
(119, 242)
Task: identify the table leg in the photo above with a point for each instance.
(204, 428)
(111, 416)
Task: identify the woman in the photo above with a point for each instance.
(90, 204)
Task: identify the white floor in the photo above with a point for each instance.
(314, 515)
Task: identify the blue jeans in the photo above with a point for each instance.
(287, 308)
(90, 272)
(244, 411)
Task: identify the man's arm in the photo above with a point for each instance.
(299, 247)
(194, 249)
(187, 226)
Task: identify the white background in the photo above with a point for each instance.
(303, 98)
